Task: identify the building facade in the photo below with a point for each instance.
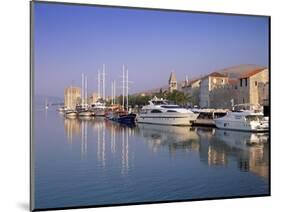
(72, 97)
(93, 98)
(253, 87)
(207, 85)
(192, 90)
(225, 96)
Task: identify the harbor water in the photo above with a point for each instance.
(92, 161)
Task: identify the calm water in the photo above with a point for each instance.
(94, 162)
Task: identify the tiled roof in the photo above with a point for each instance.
(232, 81)
(214, 74)
(251, 73)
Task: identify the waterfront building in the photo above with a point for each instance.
(192, 89)
(72, 97)
(208, 84)
(253, 87)
(173, 85)
(93, 98)
(224, 96)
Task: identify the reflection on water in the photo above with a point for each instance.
(113, 163)
(173, 137)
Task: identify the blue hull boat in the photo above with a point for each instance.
(125, 118)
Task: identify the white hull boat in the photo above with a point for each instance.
(243, 121)
(160, 112)
(85, 113)
(70, 113)
(168, 119)
(98, 109)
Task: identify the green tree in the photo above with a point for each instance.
(178, 97)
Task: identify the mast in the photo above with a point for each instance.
(82, 91)
(86, 90)
(114, 92)
(99, 95)
(103, 81)
(123, 87)
(127, 89)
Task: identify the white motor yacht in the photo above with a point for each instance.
(83, 110)
(160, 112)
(98, 109)
(245, 120)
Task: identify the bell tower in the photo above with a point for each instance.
(173, 82)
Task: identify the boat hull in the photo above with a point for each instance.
(85, 113)
(241, 126)
(70, 114)
(176, 119)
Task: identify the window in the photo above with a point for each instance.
(246, 82)
(170, 106)
(156, 111)
(241, 82)
(256, 83)
(172, 111)
(254, 118)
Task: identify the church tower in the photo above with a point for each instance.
(173, 82)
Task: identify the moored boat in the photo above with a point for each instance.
(206, 116)
(70, 113)
(98, 109)
(245, 120)
(159, 111)
(124, 117)
(83, 110)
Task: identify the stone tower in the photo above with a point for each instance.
(173, 82)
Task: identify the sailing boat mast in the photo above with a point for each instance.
(127, 89)
(103, 81)
(82, 92)
(99, 95)
(113, 92)
(123, 87)
(86, 90)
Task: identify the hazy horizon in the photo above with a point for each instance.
(70, 40)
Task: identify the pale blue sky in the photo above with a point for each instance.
(73, 39)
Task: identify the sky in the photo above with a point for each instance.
(70, 40)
